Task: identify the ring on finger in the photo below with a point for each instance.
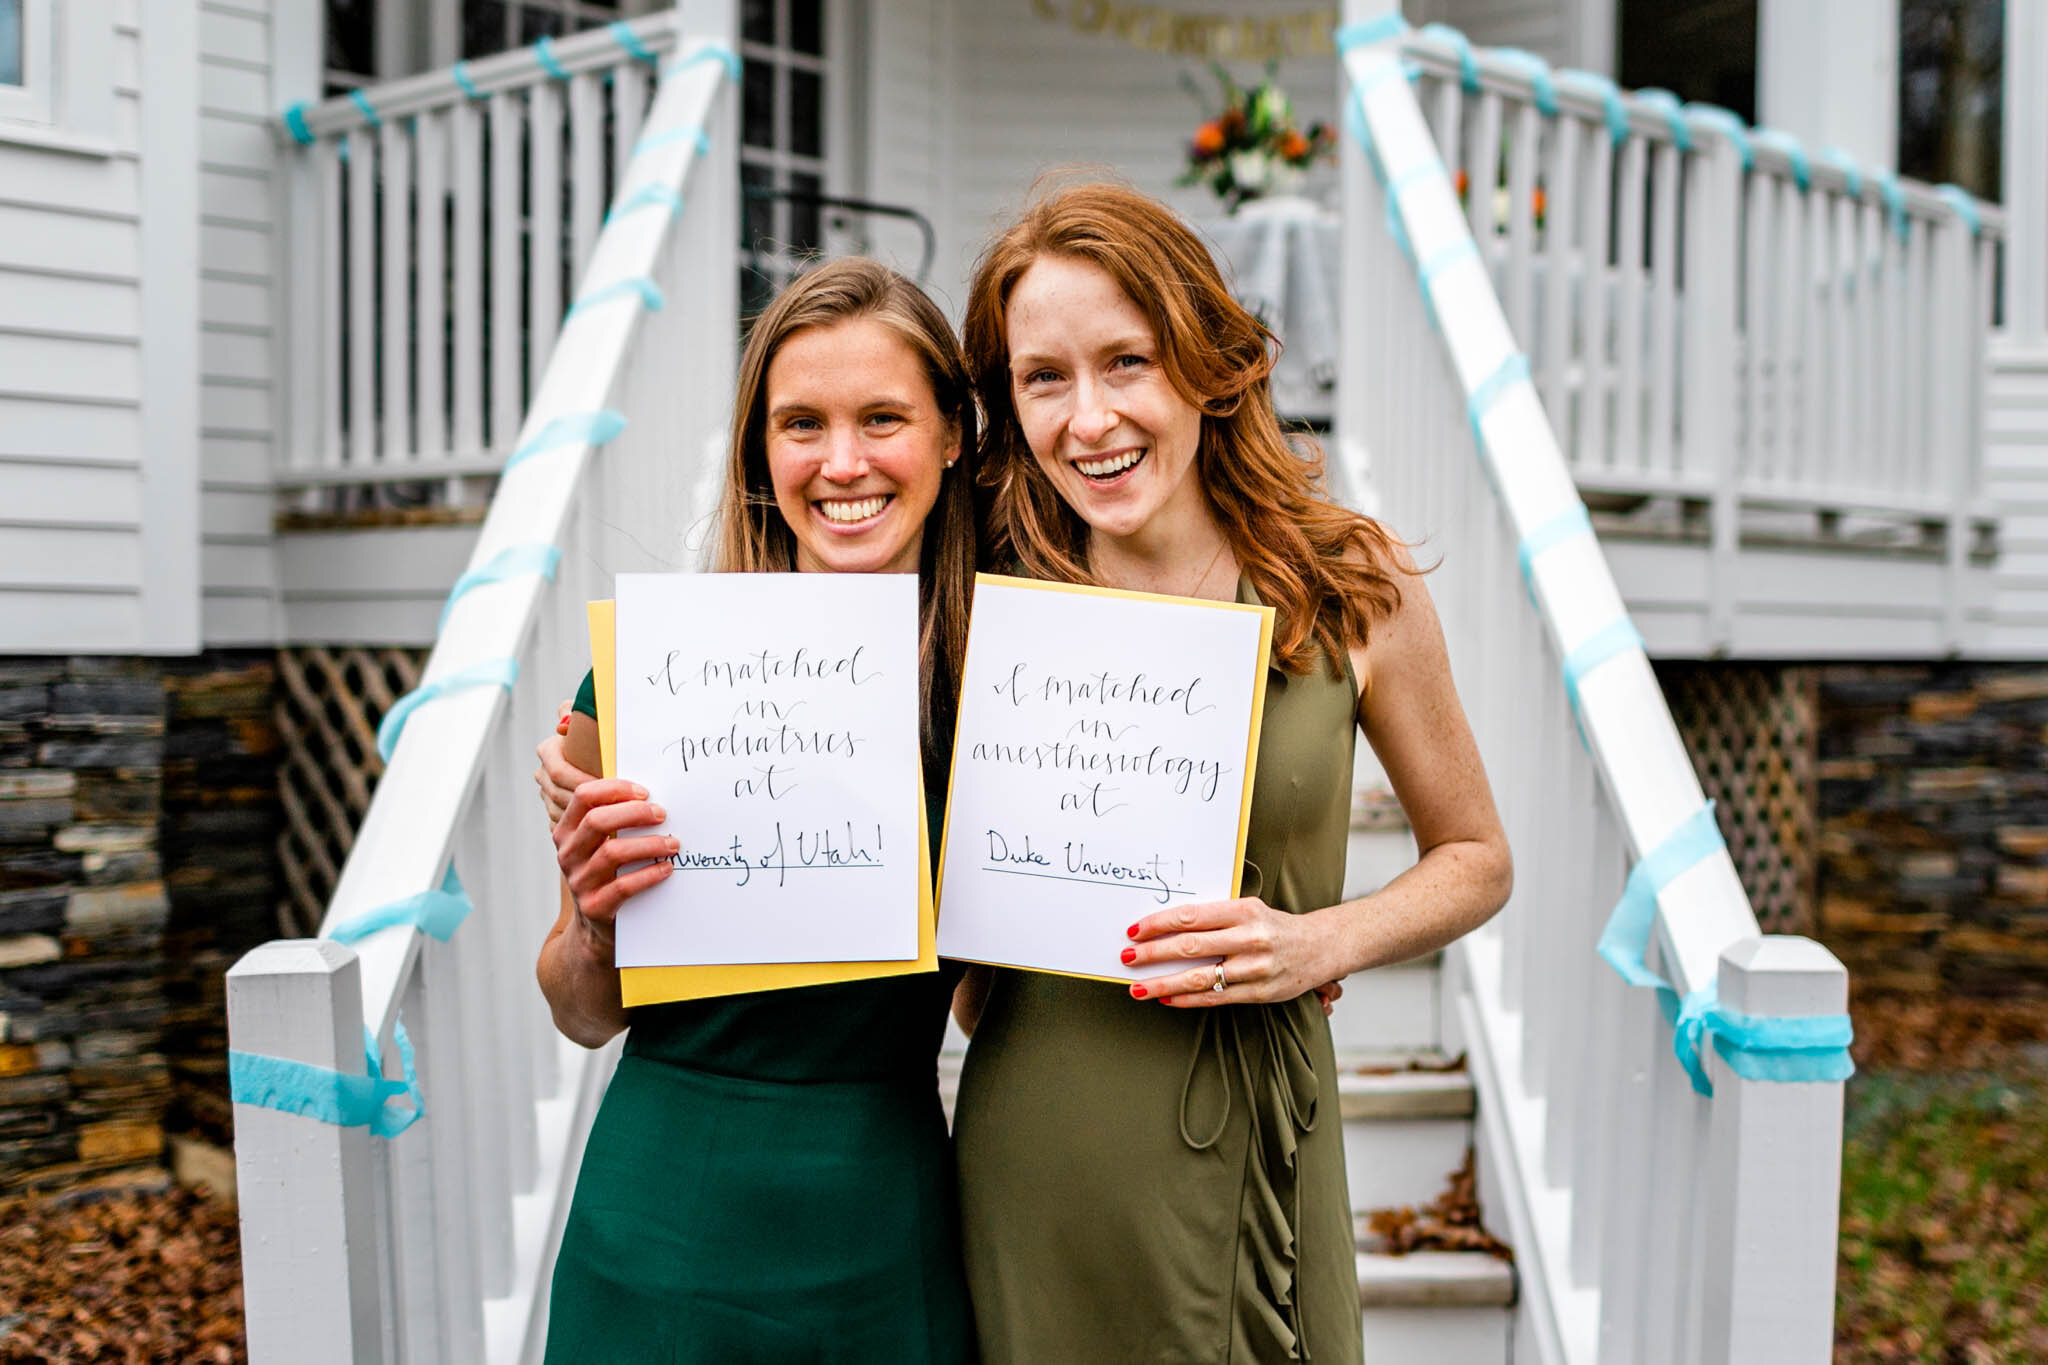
(1220, 982)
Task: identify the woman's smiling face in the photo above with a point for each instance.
(1102, 418)
(856, 444)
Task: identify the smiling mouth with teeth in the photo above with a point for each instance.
(849, 511)
(1109, 466)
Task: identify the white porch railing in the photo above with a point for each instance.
(1652, 1226)
(436, 1245)
(435, 225)
(1714, 315)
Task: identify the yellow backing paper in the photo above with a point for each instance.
(660, 985)
(1251, 752)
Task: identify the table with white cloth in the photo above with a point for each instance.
(1280, 257)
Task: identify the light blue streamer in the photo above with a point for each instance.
(437, 914)
(1468, 65)
(1965, 205)
(1783, 1048)
(1609, 95)
(576, 428)
(1728, 124)
(295, 124)
(647, 197)
(1515, 369)
(1894, 202)
(640, 286)
(622, 34)
(464, 82)
(1535, 70)
(1370, 31)
(1665, 103)
(1378, 76)
(332, 1097)
(1461, 249)
(514, 561)
(490, 673)
(691, 132)
(544, 53)
(1794, 150)
(1616, 637)
(1840, 159)
(1625, 942)
(370, 114)
(708, 52)
(1569, 524)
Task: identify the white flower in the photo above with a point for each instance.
(1250, 170)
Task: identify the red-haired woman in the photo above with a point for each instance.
(1158, 1173)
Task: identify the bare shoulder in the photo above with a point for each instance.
(1408, 635)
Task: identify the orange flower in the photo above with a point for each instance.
(1293, 146)
(1209, 139)
(1540, 203)
(1461, 182)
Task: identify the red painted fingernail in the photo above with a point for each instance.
(1138, 991)
(1131, 932)
(1130, 955)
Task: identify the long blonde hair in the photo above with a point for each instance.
(753, 537)
(1327, 571)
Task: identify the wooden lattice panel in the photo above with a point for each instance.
(329, 704)
(1750, 730)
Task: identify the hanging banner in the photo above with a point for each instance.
(1217, 37)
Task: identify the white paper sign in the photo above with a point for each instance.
(774, 717)
(1100, 771)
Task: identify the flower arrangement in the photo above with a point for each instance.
(1251, 146)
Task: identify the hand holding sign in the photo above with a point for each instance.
(1102, 769)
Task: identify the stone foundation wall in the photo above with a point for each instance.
(137, 838)
(1933, 788)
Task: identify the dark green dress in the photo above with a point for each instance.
(1140, 1183)
(769, 1178)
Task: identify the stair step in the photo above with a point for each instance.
(1403, 1094)
(1389, 1008)
(1434, 1279)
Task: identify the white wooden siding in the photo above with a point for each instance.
(2016, 480)
(71, 477)
(238, 261)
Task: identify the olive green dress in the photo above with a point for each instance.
(1144, 1183)
(769, 1178)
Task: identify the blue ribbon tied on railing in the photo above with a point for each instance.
(1468, 65)
(1369, 31)
(646, 197)
(1756, 1047)
(514, 561)
(639, 286)
(437, 914)
(490, 673)
(707, 52)
(622, 34)
(575, 428)
(333, 1097)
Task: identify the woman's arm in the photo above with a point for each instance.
(970, 997)
(576, 968)
(1409, 710)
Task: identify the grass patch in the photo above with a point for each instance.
(1944, 1234)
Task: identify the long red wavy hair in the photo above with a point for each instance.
(1327, 571)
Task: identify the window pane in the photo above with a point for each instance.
(351, 36)
(536, 24)
(807, 27)
(483, 28)
(757, 210)
(806, 118)
(1951, 85)
(805, 233)
(757, 104)
(757, 21)
(10, 42)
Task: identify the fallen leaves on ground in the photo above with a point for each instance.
(121, 1278)
(1944, 1233)
(1450, 1222)
(1937, 1033)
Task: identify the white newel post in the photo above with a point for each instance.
(310, 1274)
(1775, 1169)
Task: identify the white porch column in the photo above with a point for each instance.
(1827, 71)
(2025, 193)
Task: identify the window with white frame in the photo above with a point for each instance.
(782, 143)
(495, 25)
(26, 51)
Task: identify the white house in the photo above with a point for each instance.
(1775, 372)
